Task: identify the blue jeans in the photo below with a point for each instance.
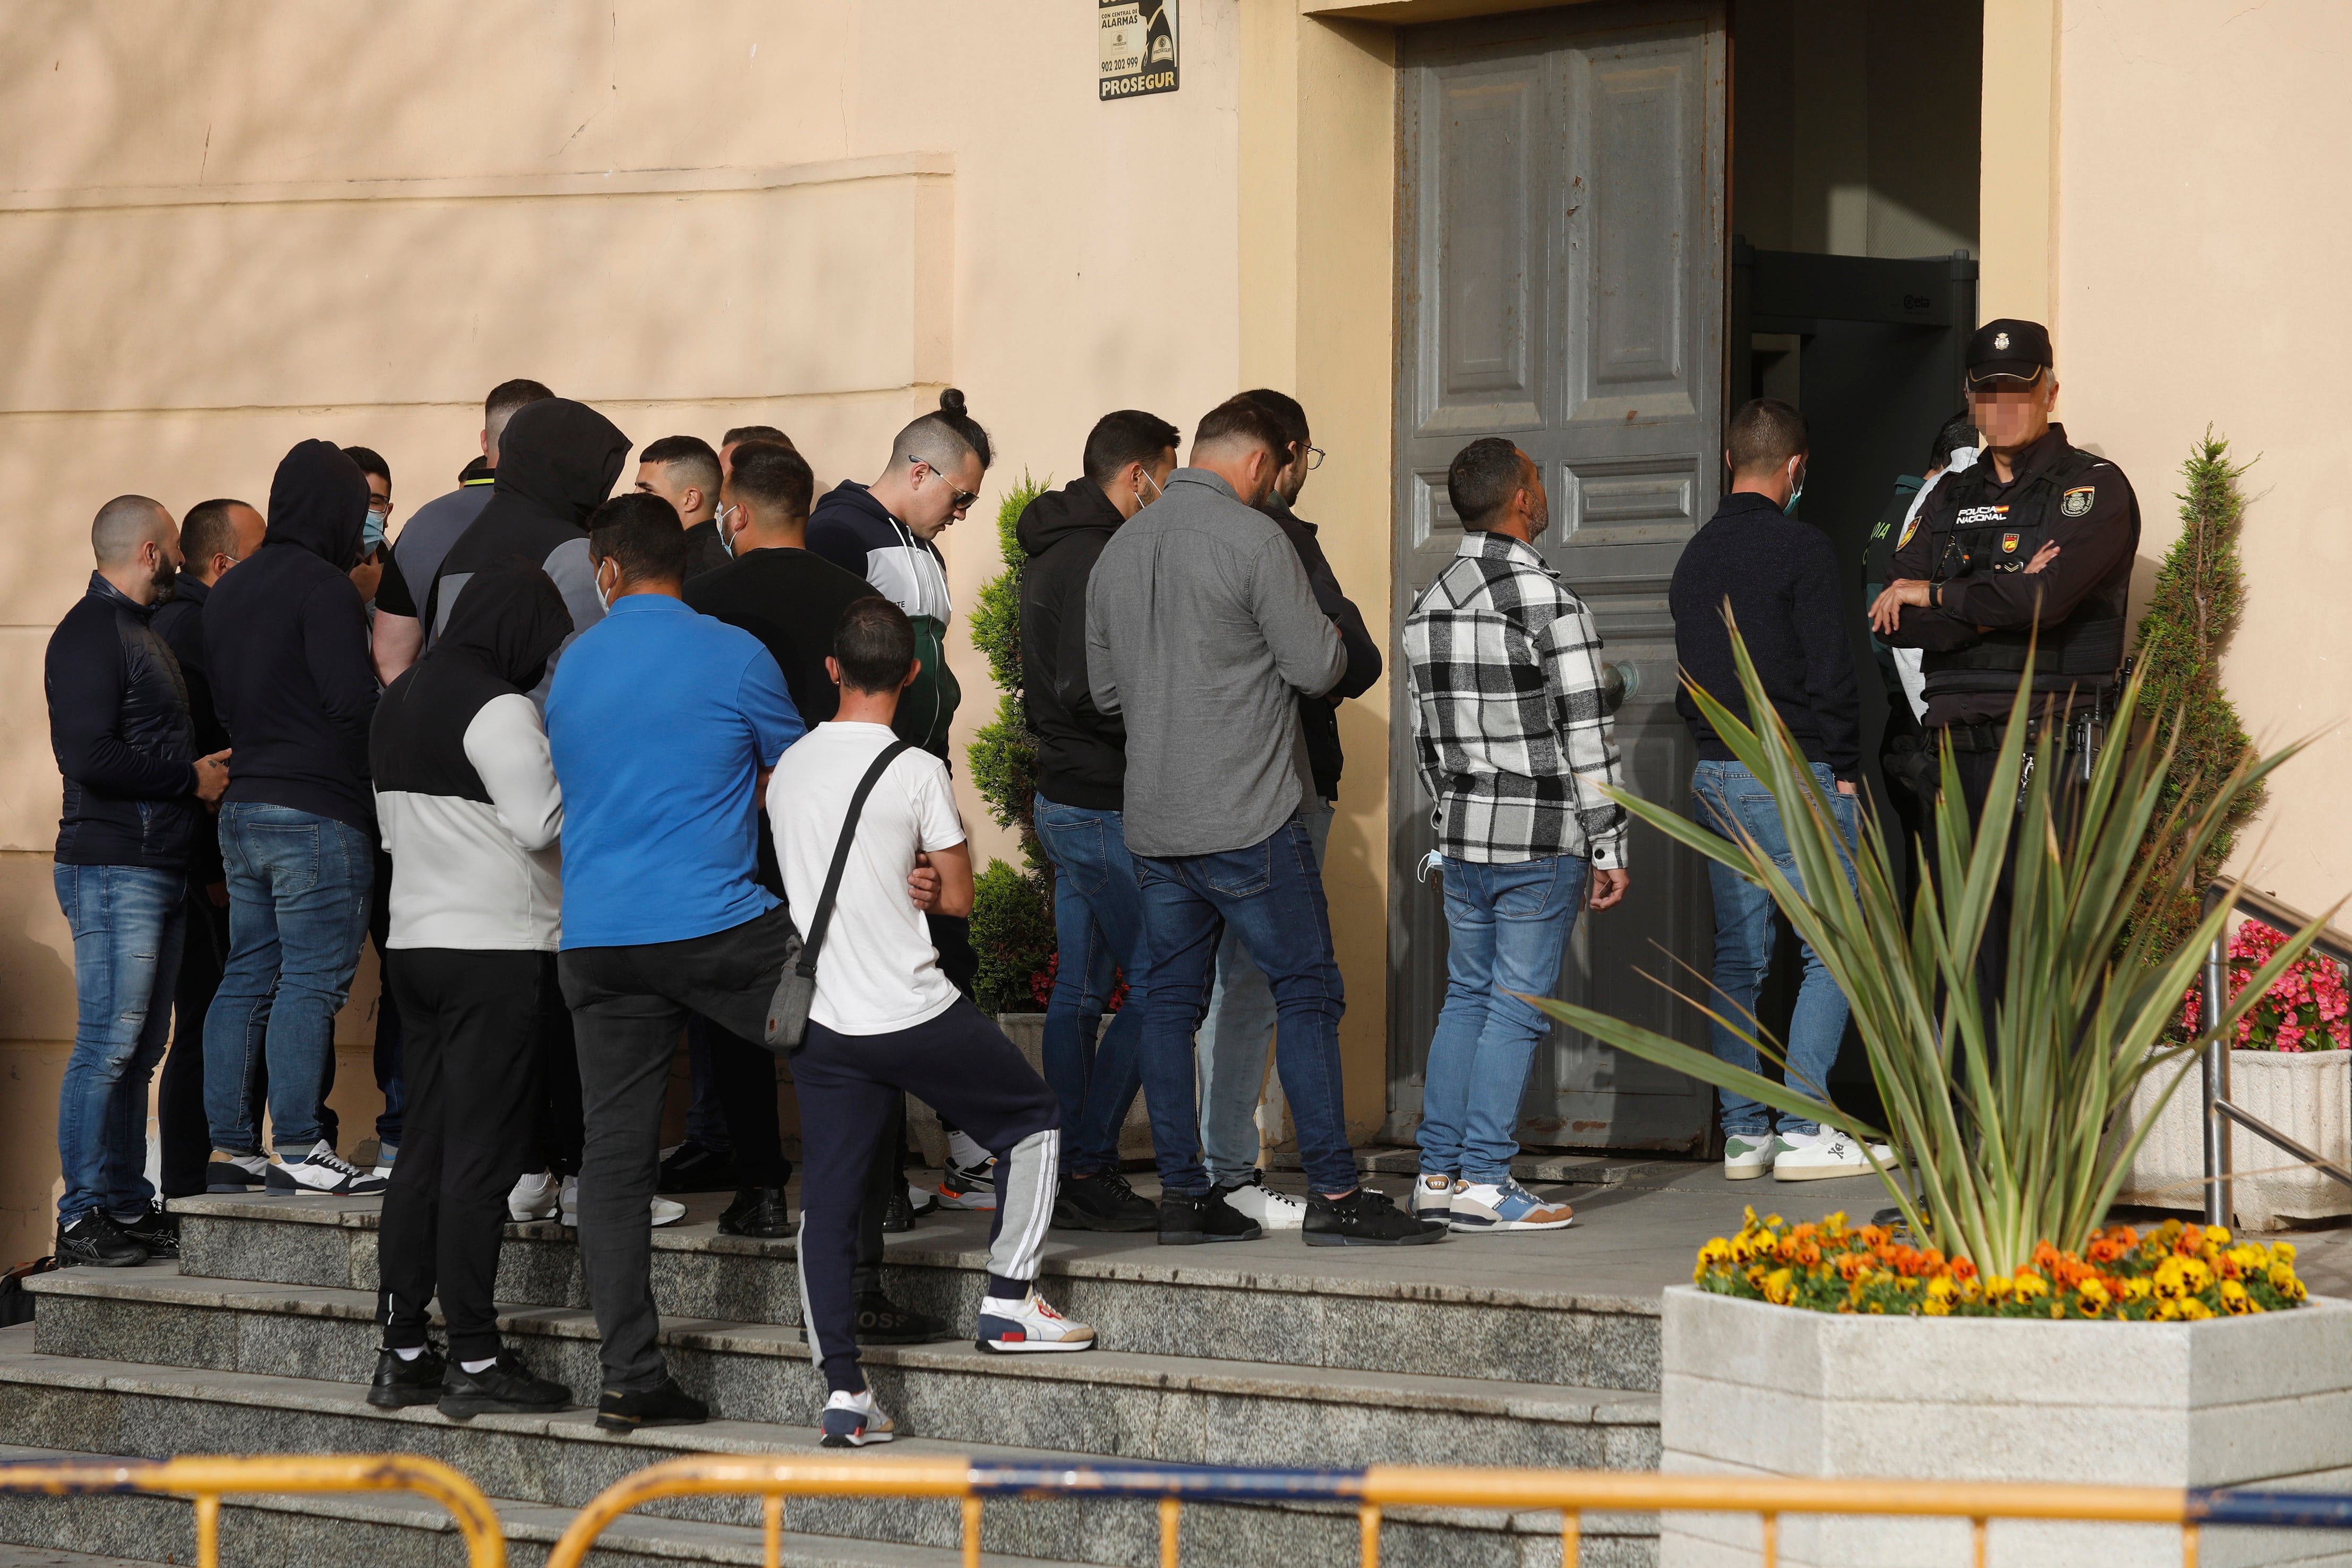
(1272, 893)
(1097, 931)
(128, 923)
(1723, 793)
(1505, 926)
(297, 910)
(1235, 1036)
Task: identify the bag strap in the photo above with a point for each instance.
(815, 940)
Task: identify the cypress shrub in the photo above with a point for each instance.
(1011, 906)
(2199, 589)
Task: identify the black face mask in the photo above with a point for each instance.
(165, 578)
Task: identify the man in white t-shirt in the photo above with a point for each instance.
(886, 1021)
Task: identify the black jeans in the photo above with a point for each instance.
(628, 1006)
(474, 1030)
(389, 1075)
(744, 1075)
(1976, 770)
(186, 1134)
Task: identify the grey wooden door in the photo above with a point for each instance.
(1560, 282)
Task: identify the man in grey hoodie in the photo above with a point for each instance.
(1202, 631)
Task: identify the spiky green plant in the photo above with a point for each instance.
(2199, 589)
(2000, 1122)
(1011, 907)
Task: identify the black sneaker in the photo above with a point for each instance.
(1187, 1219)
(400, 1383)
(693, 1168)
(97, 1240)
(881, 1320)
(1103, 1202)
(757, 1212)
(1366, 1218)
(155, 1230)
(668, 1405)
(505, 1388)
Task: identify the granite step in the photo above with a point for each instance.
(1112, 1402)
(394, 1529)
(561, 1461)
(1485, 1307)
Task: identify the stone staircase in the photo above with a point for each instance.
(261, 1340)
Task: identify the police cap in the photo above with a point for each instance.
(2009, 352)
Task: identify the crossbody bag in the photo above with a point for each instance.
(788, 1010)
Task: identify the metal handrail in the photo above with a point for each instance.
(1572, 1493)
(207, 1479)
(2214, 1069)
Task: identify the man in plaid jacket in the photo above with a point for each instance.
(1514, 740)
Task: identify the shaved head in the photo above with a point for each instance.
(124, 524)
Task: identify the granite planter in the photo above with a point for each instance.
(1750, 1389)
(2307, 1095)
(1027, 1030)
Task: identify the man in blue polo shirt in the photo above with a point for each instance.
(664, 725)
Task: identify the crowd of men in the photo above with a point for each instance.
(600, 773)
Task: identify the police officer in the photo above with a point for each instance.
(2032, 545)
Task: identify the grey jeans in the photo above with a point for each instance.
(627, 1005)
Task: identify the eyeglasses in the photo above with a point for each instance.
(1314, 458)
(964, 498)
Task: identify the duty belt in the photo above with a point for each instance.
(1988, 736)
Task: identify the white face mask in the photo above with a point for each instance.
(603, 601)
(726, 540)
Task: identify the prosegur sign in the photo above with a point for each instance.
(1139, 47)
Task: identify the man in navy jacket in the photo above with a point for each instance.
(134, 790)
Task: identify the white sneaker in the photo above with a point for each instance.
(323, 1171)
(1028, 1325)
(1824, 1154)
(854, 1420)
(1274, 1210)
(1433, 1196)
(1746, 1155)
(535, 1196)
(664, 1212)
(385, 1154)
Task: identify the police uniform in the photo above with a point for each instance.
(1991, 625)
(1973, 540)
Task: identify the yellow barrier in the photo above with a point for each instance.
(207, 1479)
(1572, 1492)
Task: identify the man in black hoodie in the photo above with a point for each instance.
(471, 814)
(557, 463)
(1081, 778)
(287, 639)
(133, 788)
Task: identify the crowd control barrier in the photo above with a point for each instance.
(1369, 1490)
(207, 1480)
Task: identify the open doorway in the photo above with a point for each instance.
(1855, 179)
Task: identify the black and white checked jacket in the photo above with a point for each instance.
(1503, 668)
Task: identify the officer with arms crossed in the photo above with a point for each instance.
(2015, 571)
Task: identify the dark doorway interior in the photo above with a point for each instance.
(1854, 174)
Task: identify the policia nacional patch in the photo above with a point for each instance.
(2077, 501)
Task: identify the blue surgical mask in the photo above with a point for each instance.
(726, 540)
(1796, 494)
(372, 532)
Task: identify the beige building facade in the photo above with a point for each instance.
(228, 226)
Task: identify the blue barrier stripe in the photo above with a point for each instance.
(1208, 1481)
(2308, 1509)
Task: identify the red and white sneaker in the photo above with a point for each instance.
(1011, 1328)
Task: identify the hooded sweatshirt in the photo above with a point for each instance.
(1081, 751)
(856, 532)
(557, 463)
(464, 786)
(286, 640)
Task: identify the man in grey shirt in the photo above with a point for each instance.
(1202, 631)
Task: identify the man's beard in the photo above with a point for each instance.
(166, 577)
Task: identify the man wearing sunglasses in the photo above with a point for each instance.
(2015, 572)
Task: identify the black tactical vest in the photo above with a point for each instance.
(2081, 653)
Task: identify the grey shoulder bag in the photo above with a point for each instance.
(788, 1010)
